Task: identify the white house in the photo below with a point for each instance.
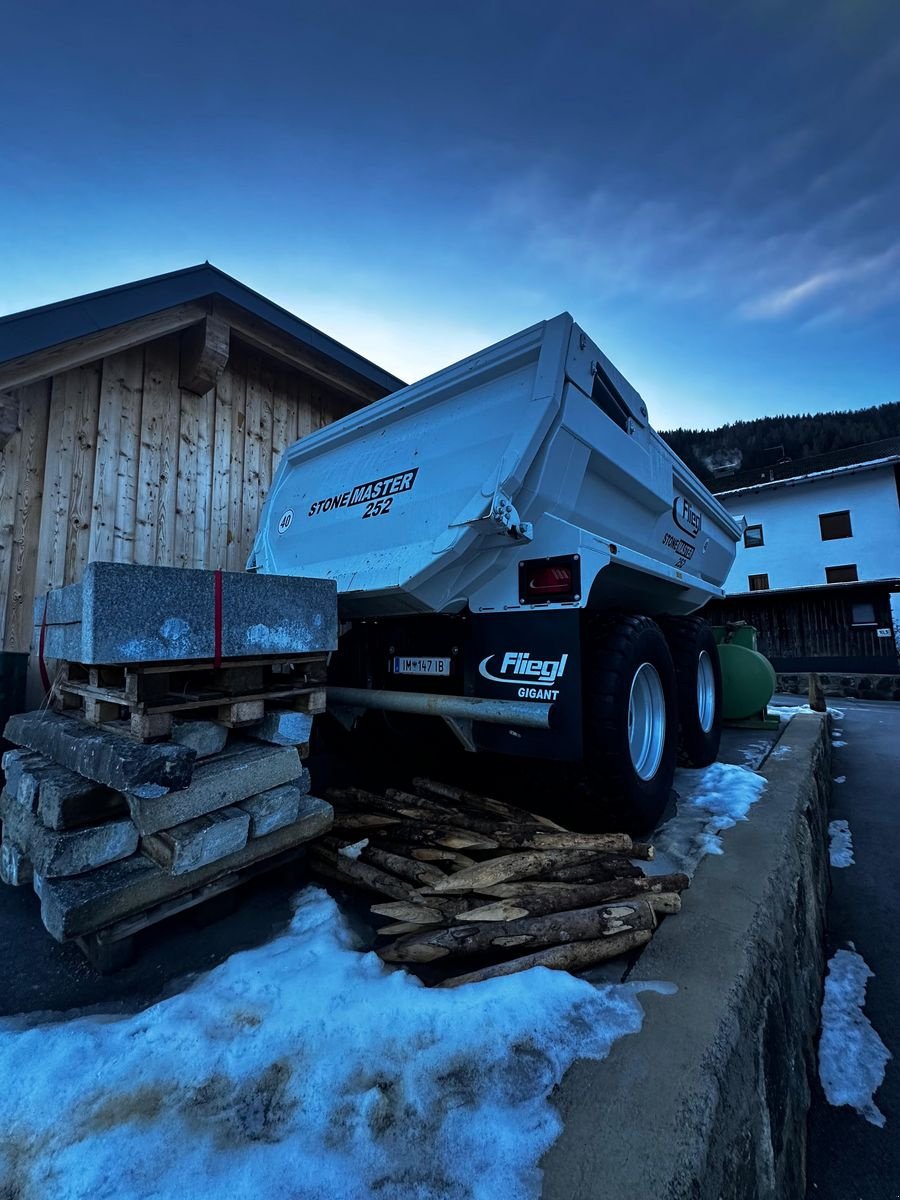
(822, 526)
(818, 569)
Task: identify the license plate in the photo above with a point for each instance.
(421, 666)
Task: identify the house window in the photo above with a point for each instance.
(862, 614)
(835, 525)
(758, 583)
(753, 536)
(847, 574)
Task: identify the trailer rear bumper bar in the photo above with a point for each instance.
(523, 713)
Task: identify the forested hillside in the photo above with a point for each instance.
(749, 444)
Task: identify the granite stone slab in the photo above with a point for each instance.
(126, 613)
(283, 727)
(15, 865)
(64, 800)
(242, 770)
(110, 759)
(57, 855)
(16, 763)
(275, 808)
(205, 738)
(73, 907)
(192, 845)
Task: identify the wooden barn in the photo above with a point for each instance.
(145, 423)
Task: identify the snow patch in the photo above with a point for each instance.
(786, 711)
(355, 850)
(303, 1067)
(838, 744)
(852, 1057)
(840, 845)
(709, 801)
(840, 779)
(782, 752)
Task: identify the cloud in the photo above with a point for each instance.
(773, 262)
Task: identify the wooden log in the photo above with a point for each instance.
(597, 869)
(538, 904)
(452, 859)
(352, 873)
(360, 821)
(538, 887)
(410, 869)
(512, 838)
(484, 803)
(428, 945)
(528, 864)
(431, 910)
(573, 956)
(642, 850)
(397, 928)
(412, 833)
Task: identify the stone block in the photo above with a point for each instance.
(74, 907)
(125, 613)
(15, 865)
(65, 800)
(106, 758)
(16, 763)
(277, 807)
(283, 727)
(205, 738)
(18, 821)
(241, 771)
(196, 843)
(57, 855)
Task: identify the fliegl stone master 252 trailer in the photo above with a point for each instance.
(517, 553)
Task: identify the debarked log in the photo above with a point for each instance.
(522, 901)
(573, 956)
(352, 873)
(532, 932)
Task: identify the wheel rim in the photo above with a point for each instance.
(646, 721)
(706, 692)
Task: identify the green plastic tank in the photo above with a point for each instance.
(748, 678)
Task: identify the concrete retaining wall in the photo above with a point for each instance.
(709, 1101)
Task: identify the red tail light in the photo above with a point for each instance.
(545, 580)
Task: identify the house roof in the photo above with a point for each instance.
(803, 470)
(38, 329)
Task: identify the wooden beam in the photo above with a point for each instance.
(261, 336)
(204, 355)
(9, 417)
(41, 364)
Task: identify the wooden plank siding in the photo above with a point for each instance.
(814, 629)
(112, 461)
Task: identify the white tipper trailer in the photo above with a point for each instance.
(517, 554)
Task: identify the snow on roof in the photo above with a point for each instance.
(812, 475)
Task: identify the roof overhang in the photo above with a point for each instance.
(41, 342)
(890, 585)
(813, 477)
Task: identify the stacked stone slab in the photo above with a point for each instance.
(110, 830)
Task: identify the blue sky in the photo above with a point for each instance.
(712, 189)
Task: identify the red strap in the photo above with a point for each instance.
(42, 666)
(218, 593)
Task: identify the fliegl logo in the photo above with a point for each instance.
(518, 667)
(686, 516)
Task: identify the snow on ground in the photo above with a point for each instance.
(852, 1057)
(786, 711)
(840, 779)
(302, 1068)
(840, 845)
(837, 743)
(709, 800)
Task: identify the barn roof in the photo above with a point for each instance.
(84, 319)
(802, 470)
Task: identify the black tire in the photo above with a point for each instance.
(613, 651)
(689, 638)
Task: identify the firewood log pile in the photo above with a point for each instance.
(485, 888)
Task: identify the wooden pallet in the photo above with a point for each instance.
(142, 700)
(112, 947)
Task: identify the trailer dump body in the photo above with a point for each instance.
(427, 501)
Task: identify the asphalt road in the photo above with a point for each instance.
(848, 1158)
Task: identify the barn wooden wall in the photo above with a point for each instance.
(113, 461)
